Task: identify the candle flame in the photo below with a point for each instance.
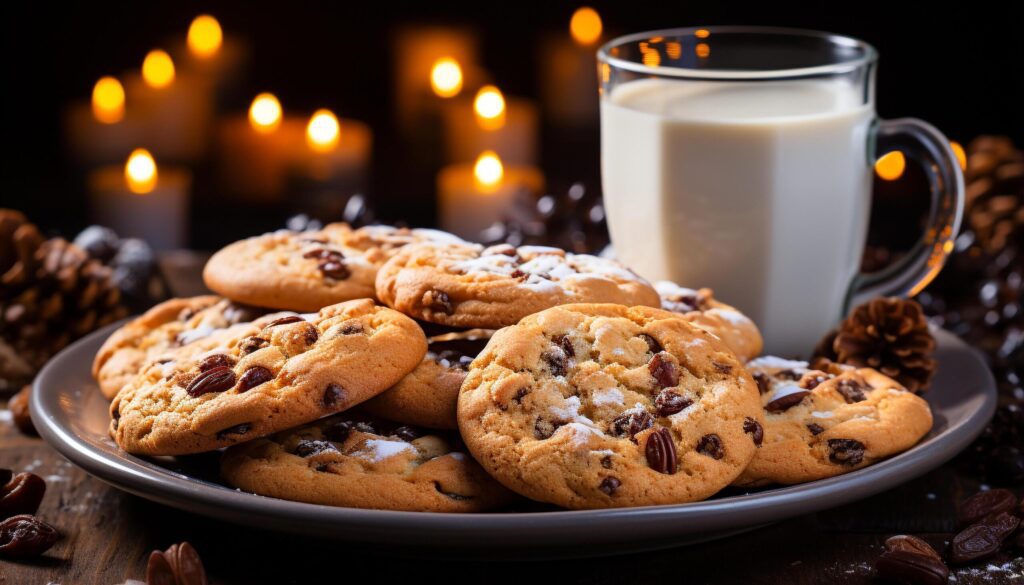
(108, 100)
(961, 156)
(702, 33)
(703, 50)
(488, 169)
(205, 36)
(585, 26)
(323, 131)
(158, 69)
(489, 107)
(651, 58)
(265, 113)
(140, 172)
(446, 77)
(891, 166)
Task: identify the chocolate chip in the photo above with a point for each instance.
(502, 249)
(787, 400)
(308, 448)
(789, 375)
(723, 368)
(609, 485)
(563, 342)
(351, 328)
(334, 395)
(669, 402)
(440, 303)
(814, 381)
(652, 344)
(663, 370)
(975, 542)
(852, 390)
(606, 462)
(25, 536)
(911, 544)
(339, 432)
(815, 429)
(711, 445)
(557, 362)
(631, 423)
(543, 428)
(21, 495)
(984, 503)
(518, 274)
(240, 429)
(323, 254)
(660, 451)
(284, 321)
(520, 394)
(754, 429)
(218, 379)
(335, 269)
(253, 377)
(763, 385)
(845, 451)
(407, 433)
(217, 360)
(310, 335)
(902, 566)
(685, 303)
(251, 344)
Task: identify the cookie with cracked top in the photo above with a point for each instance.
(825, 422)
(599, 405)
(304, 271)
(361, 462)
(160, 331)
(701, 308)
(272, 374)
(472, 286)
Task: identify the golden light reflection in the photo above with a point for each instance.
(674, 49)
(140, 172)
(158, 69)
(651, 58)
(323, 131)
(108, 100)
(489, 108)
(702, 33)
(204, 36)
(265, 113)
(702, 50)
(891, 166)
(961, 156)
(585, 25)
(446, 77)
(488, 170)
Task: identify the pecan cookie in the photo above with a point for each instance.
(303, 271)
(592, 406)
(272, 374)
(427, 396)
(355, 461)
(702, 309)
(821, 423)
(472, 286)
(163, 329)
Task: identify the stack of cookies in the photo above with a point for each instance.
(410, 370)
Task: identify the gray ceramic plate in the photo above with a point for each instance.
(72, 416)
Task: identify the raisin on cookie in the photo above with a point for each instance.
(361, 462)
(598, 405)
(825, 422)
(701, 308)
(272, 374)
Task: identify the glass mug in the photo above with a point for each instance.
(741, 159)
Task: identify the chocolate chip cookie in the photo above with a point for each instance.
(472, 286)
(592, 406)
(825, 422)
(350, 460)
(427, 396)
(702, 309)
(303, 271)
(272, 374)
(164, 328)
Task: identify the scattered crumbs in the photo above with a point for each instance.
(55, 478)
(33, 466)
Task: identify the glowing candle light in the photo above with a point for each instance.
(489, 108)
(265, 113)
(474, 195)
(323, 131)
(702, 33)
(205, 36)
(140, 172)
(703, 50)
(488, 171)
(891, 166)
(961, 156)
(108, 100)
(158, 69)
(585, 26)
(446, 77)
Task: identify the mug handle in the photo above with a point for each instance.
(921, 142)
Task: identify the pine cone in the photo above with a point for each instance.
(51, 293)
(995, 193)
(890, 335)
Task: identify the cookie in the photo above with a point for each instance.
(164, 328)
(304, 271)
(595, 406)
(702, 309)
(354, 461)
(821, 423)
(469, 285)
(427, 396)
(272, 374)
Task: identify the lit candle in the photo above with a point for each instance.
(101, 132)
(335, 163)
(257, 149)
(568, 70)
(208, 52)
(418, 51)
(491, 121)
(140, 200)
(472, 196)
(108, 100)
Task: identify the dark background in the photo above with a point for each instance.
(958, 69)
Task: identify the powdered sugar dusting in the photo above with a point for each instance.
(189, 335)
(605, 396)
(770, 361)
(377, 450)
